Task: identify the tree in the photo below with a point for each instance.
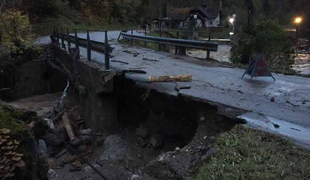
(267, 37)
(16, 30)
(3, 5)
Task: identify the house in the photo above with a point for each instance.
(207, 17)
(179, 17)
(182, 17)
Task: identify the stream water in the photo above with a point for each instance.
(301, 65)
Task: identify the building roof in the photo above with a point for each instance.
(179, 13)
(210, 13)
(202, 11)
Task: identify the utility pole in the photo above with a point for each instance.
(251, 10)
(266, 7)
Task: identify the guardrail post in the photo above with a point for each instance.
(62, 39)
(106, 52)
(208, 52)
(176, 48)
(77, 46)
(159, 28)
(88, 47)
(145, 35)
(68, 38)
(76, 39)
(132, 39)
(57, 34)
(182, 50)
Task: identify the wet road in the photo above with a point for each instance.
(287, 99)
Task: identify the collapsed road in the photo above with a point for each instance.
(262, 102)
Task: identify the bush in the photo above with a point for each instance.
(16, 31)
(267, 37)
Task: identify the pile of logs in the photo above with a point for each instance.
(9, 157)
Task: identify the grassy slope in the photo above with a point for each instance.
(245, 153)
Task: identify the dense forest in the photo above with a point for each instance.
(132, 12)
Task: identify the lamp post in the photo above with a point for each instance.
(298, 20)
(232, 21)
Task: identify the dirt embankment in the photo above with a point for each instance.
(25, 77)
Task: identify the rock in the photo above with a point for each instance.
(135, 177)
(272, 99)
(170, 174)
(87, 168)
(77, 164)
(177, 149)
(82, 90)
(115, 148)
(209, 153)
(142, 142)
(76, 142)
(82, 148)
(51, 174)
(52, 140)
(143, 132)
(42, 147)
(85, 132)
(51, 162)
(157, 140)
(133, 163)
(202, 119)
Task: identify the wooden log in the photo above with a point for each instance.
(75, 157)
(181, 78)
(66, 121)
(61, 153)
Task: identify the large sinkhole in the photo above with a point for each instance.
(141, 130)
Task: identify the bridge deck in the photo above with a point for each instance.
(222, 86)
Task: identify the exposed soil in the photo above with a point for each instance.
(154, 136)
(159, 137)
(41, 104)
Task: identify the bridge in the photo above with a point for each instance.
(282, 107)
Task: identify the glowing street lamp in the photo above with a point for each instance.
(298, 20)
(232, 20)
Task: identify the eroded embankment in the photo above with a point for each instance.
(153, 135)
(122, 130)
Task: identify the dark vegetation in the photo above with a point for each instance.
(245, 153)
(103, 13)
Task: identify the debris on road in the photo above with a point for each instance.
(117, 61)
(181, 78)
(146, 59)
(134, 71)
(178, 88)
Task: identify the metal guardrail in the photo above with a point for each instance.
(95, 45)
(90, 45)
(180, 44)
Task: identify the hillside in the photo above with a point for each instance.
(114, 14)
